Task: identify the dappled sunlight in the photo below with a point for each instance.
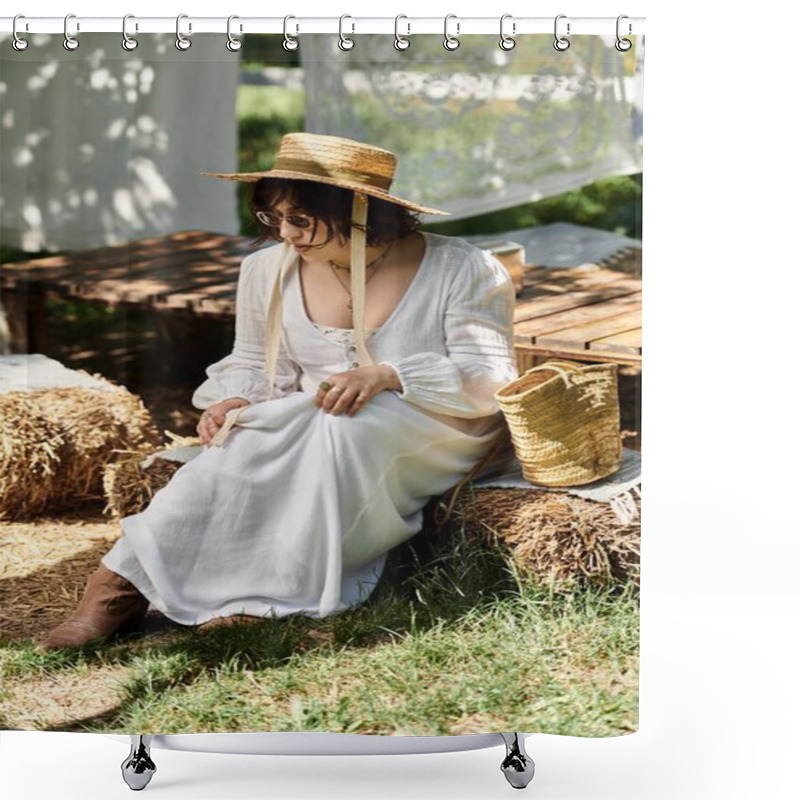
(98, 146)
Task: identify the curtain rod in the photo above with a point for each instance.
(298, 25)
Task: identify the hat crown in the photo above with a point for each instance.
(318, 155)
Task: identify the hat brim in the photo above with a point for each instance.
(381, 194)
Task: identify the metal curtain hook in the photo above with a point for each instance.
(623, 45)
(400, 42)
(451, 42)
(344, 42)
(182, 43)
(70, 42)
(233, 44)
(289, 42)
(128, 42)
(560, 43)
(18, 43)
(506, 42)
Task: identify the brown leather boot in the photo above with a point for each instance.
(110, 603)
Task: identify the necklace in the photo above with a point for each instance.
(375, 265)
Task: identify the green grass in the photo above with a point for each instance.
(452, 642)
(567, 670)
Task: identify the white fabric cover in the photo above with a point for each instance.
(30, 372)
(296, 511)
(480, 129)
(101, 145)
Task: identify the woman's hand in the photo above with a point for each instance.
(348, 392)
(212, 418)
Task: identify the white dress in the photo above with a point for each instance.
(296, 511)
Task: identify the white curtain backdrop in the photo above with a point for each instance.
(101, 146)
(480, 129)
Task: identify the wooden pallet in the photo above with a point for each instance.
(588, 313)
(190, 269)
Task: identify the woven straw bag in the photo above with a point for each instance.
(564, 422)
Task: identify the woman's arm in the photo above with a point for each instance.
(478, 327)
(242, 374)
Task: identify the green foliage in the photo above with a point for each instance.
(265, 114)
(11, 254)
(267, 49)
(612, 204)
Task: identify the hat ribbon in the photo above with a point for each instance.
(358, 275)
(339, 173)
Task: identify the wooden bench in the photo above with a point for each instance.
(588, 313)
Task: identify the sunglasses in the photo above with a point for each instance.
(274, 220)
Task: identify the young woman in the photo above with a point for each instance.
(361, 383)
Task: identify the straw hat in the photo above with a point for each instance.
(333, 160)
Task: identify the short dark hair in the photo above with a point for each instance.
(386, 222)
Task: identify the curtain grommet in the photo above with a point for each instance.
(345, 43)
(18, 43)
(401, 42)
(70, 42)
(233, 44)
(128, 42)
(623, 45)
(451, 42)
(507, 42)
(181, 42)
(290, 43)
(561, 43)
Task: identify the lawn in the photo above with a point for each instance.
(453, 641)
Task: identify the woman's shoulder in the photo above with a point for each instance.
(459, 259)
(265, 258)
(262, 265)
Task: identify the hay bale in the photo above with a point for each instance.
(32, 449)
(56, 442)
(557, 539)
(129, 484)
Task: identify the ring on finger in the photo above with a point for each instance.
(325, 386)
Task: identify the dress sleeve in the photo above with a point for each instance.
(243, 372)
(478, 327)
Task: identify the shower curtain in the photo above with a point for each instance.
(119, 272)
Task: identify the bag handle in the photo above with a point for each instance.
(563, 369)
(556, 366)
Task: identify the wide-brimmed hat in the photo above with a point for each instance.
(336, 161)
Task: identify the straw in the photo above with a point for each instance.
(55, 443)
(554, 538)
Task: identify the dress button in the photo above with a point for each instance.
(353, 364)
(352, 348)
